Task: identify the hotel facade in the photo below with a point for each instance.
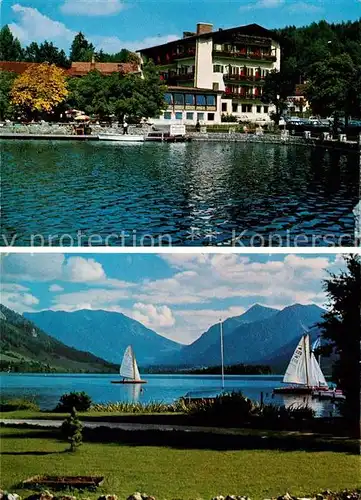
(214, 73)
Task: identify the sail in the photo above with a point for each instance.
(129, 368)
(317, 378)
(297, 370)
(136, 371)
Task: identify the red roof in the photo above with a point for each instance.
(82, 68)
(77, 68)
(15, 67)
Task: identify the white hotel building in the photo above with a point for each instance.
(214, 73)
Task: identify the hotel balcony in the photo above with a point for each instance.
(176, 79)
(243, 78)
(171, 57)
(242, 97)
(259, 56)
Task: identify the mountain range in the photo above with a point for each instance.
(25, 347)
(261, 335)
(105, 334)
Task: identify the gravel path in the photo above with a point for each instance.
(120, 425)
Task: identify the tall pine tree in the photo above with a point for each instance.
(81, 49)
(10, 47)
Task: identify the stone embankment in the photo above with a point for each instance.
(67, 131)
(325, 495)
(275, 139)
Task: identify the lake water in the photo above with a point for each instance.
(191, 193)
(47, 388)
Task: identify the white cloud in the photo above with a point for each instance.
(34, 26)
(55, 288)
(155, 317)
(92, 7)
(17, 297)
(94, 298)
(224, 276)
(32, 267)
(80, 270)
(304, 7)
(113, 44)
(190, 324)
(263, 4)
(50, 267)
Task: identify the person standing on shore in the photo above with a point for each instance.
(125, 128)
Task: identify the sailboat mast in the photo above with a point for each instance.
(222, 354)
(319, 355)
(133, 361)
(307, 353)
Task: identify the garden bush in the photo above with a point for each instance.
(232, 406)
(72, 430)
(18, 404)
(78, 400)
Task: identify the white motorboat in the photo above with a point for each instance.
(121, 138)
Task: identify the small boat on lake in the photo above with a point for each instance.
(303, 372)
(121, 138)
(129, 369)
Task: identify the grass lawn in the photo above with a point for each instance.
(171, 472)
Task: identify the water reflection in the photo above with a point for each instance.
(197, 193)
(322, 408)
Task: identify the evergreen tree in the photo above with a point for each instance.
(341, 328)
(10, 47)
(46, 52)
(81, 49)
(72, 430)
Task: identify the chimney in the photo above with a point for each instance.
(203, 28)
(93, 60)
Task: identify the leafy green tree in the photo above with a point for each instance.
(137, 97)
(120, 57)
(331, 86)
(278, 86)
(81, 49)
(302, 47)
(341, 328)
(91, 94)
(46, 52)
(10, 47)
(6, 82)
(122, 95)
(72, 430)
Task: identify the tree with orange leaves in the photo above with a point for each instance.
(40, 89)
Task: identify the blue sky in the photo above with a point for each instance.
(114, 24)
(177, 295)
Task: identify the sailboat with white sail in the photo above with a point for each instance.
(129, 371)
(303, 374)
